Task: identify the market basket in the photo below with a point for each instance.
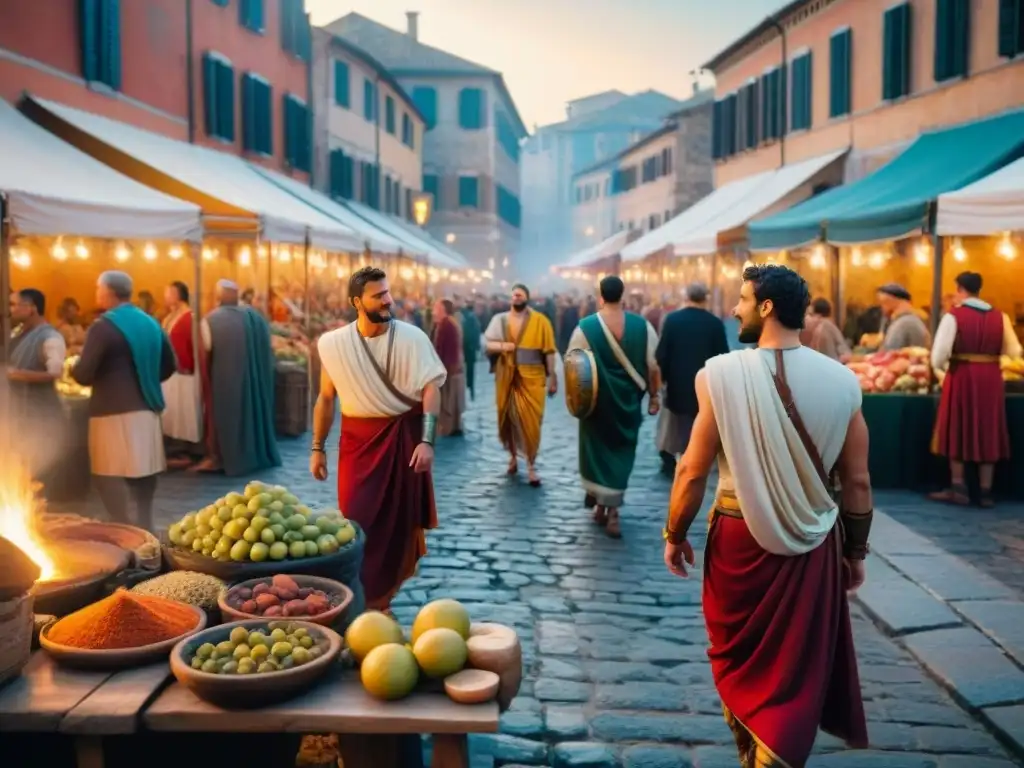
(16, 629)
(291, 399)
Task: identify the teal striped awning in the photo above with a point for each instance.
(894, 201)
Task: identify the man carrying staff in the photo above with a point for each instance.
(782, 421)
(240, 411)
(971, 423)
(623, 345)
(524, 343)
(388, 378)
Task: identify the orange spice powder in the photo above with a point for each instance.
(124, 620)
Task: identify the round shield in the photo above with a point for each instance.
(580, 382)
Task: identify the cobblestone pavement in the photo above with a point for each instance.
(990, 539)
(614, 646)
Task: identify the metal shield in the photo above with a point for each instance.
(580, 382)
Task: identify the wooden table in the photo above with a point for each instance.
(90, 706)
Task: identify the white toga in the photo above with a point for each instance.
(362, 394)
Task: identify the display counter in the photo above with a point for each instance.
(901, 428)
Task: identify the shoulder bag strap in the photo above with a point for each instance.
(786, 394)
(385, 375)
(620, 353)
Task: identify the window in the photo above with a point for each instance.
(342, 181)
(425, 99)
(649, 170)
(666, 161)
(369, 100)
(342, 83)
(750, 126)
(432, 186)
(408, 204)
(1011, 28)
(295, 35)
(296, 133)
(219, 96)
(507, 138)
(472, 114)
(257, 115)
(896, 52)
(724, 134)
(251, 16)
(389, 115)
(99, 28)
(800, 107)
(396, 202)
(370, 185)
(408, 131)
(840, 52)
(469, 191)
(508, 206)
(952, 38)
(773, 114)
(388, 192)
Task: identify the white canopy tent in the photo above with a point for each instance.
(990, 205)
(610, 246)
(413, 244)
(51, 189)
(778, 187)
(227, 185)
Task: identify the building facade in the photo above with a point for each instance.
(868, 74)
(597, 127)
(367, 133)
(228, 74)
(650, 181)
(471, 140)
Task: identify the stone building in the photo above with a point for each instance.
(470, 144)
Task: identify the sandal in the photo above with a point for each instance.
(986, 500)
(612, 526)
(513, 468)
(956, 495)
(600, 516)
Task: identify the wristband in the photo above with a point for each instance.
(855, 534)
(429, 428)
(672, 537)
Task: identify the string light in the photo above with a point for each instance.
(449, 238)
(175, 253)
(149, 253)
(245, 256)
(922, 253)
(209, 254)
(959, 252)
(261, 252)
(876, 260)
(818, 257)
(121, 253)
(21, 259)
(1006, 248)
(857, 258)
(58, 251)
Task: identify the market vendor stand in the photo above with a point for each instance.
(111, 719)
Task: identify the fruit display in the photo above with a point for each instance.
(282, 646)
(474, 661)
(289, 343)
(1012, 368)
(280, 595)
(261, 523)
(904, 370)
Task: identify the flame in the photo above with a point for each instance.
(17, 523)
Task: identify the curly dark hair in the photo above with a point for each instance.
(785, 288)
(357, 282)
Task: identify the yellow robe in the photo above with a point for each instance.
(521, 387)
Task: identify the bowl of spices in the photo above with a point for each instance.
(122, 630)
(189, 587)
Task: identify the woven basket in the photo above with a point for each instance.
(16, 623)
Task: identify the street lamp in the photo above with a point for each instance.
(422, 208)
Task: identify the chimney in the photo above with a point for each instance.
(412, 26)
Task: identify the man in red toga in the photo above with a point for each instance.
(388, 377)
(782, 421)
(181, 417)
(971, 423)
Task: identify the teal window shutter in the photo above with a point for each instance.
(432, 186)
(342, 80)
(225, 101)
(289, 129)
(952, 38)
(397, 189)
(1011, 28)
(408, 204)
(110, 43)
(800, 107)
(425, 99)
(89, 38)
(896, 52)
(286, 21)
(750, 117)
(251, 15)
(839, 73)
(249, 117)
(257, 120)
(369, 101)
(469, 191)
(210, 94)
(336, 165)
(716, 131)
(408, 134)
(471, 109)
(387, 194)
(265, 118)
(389, 115)
(221, 3)
(349, 190)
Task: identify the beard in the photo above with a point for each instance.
(382, 315)
(518, 306)
(751, 333)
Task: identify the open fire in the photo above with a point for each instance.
(17, 516)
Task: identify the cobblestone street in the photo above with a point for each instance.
(614, 646)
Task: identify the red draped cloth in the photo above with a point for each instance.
(394, 504)
(782, 650)
(971, 424)
(180, 336)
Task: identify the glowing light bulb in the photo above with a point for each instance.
(857, 258)
(284, 255)
(121, 253)
(208, 254)
(450, 237)
(261, 252)
(959, 252)
(149, 253)
(876, 260)
(175, 252)
(81, 251)
(1006, 248)
(58, 251)
(922, 253)
(245, 256)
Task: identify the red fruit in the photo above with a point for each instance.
(305, 592)
(266, 600)
(274, 610)
(281, 581)
(260, 588)
(249, 606)
(295, 608)
(286, 595)
(244, 592)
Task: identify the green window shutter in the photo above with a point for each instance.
(387, 194)
(303, 140)
(88, 34)
(469, 191)
(1011, 28)
(801, 108)
(265, 119)
(432, 186)
(369, 101)
(425, 99)
(764, 107)
(408, 204)
(389, 115)
(751, 115)
(472, 115)
(211, 101)
(896, 52)
(342, 80)
(336, 165)
(348, 192)
(251, 15)
(110, 43)
(225, 101)
(408, 137)
(839, 73)
(286, 21)
(221, 3)
(952, 38)
(289, 130)
(249, 118)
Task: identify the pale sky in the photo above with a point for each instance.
(552, 51)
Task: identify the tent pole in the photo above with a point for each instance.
(937, 245)
(5, 275)
(198, 348)
(309, 332)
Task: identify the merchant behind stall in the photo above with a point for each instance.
(125, 359)
(904, 326)
(37, 361)
(971, 423)
(240, 405)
